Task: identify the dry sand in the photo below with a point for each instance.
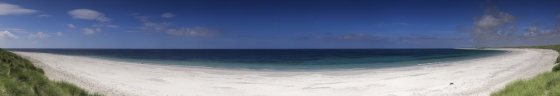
(470, 77)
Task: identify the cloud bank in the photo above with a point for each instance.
(162, 27)
(88, 15)
(44, 16)
(4, 35)
(39, 35)
(496, 28)
(10, 9)
(355, 36)
(112, 26)
(103, 25)
(88, 31)
(59, 34)
(167, 15)
(193, 32)
(15, 30)
(143, 18)
(70, 25)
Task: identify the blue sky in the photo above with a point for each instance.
(277, 23)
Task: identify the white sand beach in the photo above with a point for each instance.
(470, 77)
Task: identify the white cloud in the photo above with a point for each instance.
(155, 27)
(71, 25)
(97, 25)
(492, 28)
(193, 32)
(112, 26)
(103, 25)
(44, 16)
(7, 35)
(162, 27)
(59, 34)
(489, 21)
(9, 9)
(88, 15)
(143, 18)
(38, 35)
(496, 28)
(15, 30)
(88, 31)
(167, 15)
(98, 29)
(355, 36)
(531, 31)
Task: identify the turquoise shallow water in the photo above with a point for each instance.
(279, 59)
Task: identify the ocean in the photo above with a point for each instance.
(279, 59)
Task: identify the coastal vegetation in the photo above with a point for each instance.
(19, 77)
(544, 84)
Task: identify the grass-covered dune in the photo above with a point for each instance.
(19, 77)
(544, 84)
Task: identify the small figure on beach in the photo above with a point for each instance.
(451, 83)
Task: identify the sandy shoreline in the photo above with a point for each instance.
(470, 77)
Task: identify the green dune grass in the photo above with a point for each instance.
(19, 77)
(544, 84)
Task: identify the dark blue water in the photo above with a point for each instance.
(279, 59)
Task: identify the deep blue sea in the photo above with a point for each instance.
(279, 59)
